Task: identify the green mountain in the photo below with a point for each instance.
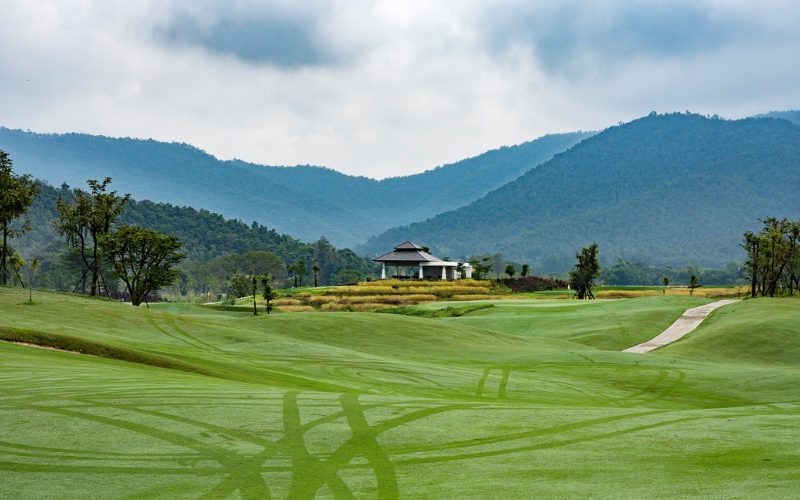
(666, 189)
(304, 201)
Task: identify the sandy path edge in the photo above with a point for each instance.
(689, 320)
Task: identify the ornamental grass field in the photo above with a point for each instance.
(518, 399)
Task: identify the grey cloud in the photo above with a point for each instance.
(260, 36)
(563, 36)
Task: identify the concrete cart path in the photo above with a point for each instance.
(690, 320)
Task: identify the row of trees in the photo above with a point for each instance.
(143, 259)
(268, 295)
(633, 272)
(773, 258)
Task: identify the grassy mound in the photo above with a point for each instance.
(522, 398)
(763, 330)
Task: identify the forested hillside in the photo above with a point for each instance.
(306, 202)
(664, 189)
(205, 236)
(791, 115)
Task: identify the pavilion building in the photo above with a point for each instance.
(412, 261)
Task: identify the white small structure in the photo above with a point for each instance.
(410, 255)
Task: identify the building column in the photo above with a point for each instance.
(444, 272)
(421, 276)
(383, 272)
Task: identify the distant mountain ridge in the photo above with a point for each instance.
(793, 115)
(306, 202)
(667, 189)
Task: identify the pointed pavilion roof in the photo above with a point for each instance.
(408, 245)
(407, 252)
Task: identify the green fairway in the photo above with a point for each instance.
(526, 398)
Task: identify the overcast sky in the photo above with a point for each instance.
(384, 88)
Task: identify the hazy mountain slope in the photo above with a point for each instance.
(669, 189)
(791, 115)
(303, 201)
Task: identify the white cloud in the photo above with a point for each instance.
(383, 88)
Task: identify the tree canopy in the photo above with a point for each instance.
(142, 258)
(16, 196)
(586, 271)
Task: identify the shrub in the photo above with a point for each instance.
(532, 284)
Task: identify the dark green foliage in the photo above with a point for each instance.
(16, 196)
(142, 258)
(526, 269)
(586, 271)
(304, 201)
(348, 277)
(693, 284)
(316, 270)
(205, 237)
(664, 189)
(510, 271)
(773, 258)
(299, 272)
(206, 277)
(480, 266)
(255, 291)
(626, 273)
(238, 285)
(527, 284)
(85, 218)
(269, 295)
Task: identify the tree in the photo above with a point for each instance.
(17, 263)
(510, 271)
(142, 258)
(16, 196)
(751, 245)
(32, 268)
(666, 284)
(348, 277)
(299, 272)
(526, 269)
(255, 291)
(773, 258)
(586, 271)
(86, 222)
(269, 295)
(480, 266)
(237, 286)
(693, 284)
(316, 275)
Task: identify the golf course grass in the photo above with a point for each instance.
(527, 398)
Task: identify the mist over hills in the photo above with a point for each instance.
(793, 115)
(667, 189)
(304, 201)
